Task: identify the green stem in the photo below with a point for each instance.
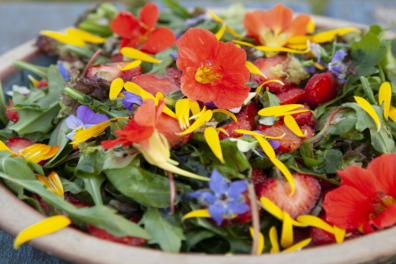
(82, 98)
(381, 73)
(41, 71)
(92, 27)
(367, 90)
(173, 162)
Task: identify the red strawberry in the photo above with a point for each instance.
(320, 89)
(246, 216)
(12, 115)
(110, 71)
(305, 118)
(290, 96)
(175, 73)
(169, 126)
(242, 124)
(103, 234)
(43, 204)
(302, 201)
(258, 178)
(18, 143)
(265, 65)
(156, 83)
(117, 58)
(290, 141)
(251, 111)
(42, 83)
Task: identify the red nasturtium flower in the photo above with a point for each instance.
(274, 27)
(366, 198)
(212, 70)
(140, 33)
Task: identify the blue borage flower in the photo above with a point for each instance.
(173, 55)
(130, 99)
(225, 198)
(63, 71)
(337, 67)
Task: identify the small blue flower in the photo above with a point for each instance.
(337, 67)
(130, 99)
(63, 71)
(193, 21)
(225, 199)
(315, 49)
(173, 55)
(273, 142)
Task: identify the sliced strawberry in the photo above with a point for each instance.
(103, 234)
(12, 115)
(169, 126)
(320, 89)
(246, 216)
(258, 178)
(290, 141)
(290, 96)
(302, 201)
(75, 201)
(156, 83)
(117, 58)
(326, 186)
(229, 128)
(305, 118)
(43, 204)
(265, 65)
(42, 83)
(251, 111)
(110, 71)
(175, 73)
(17, 143)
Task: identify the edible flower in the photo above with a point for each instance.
(369, 110)
(76, 37)
(141, 33)
(130, 99)
(273, 235)
(385, 96)
(63, 71)
(366, 198)
(224, 27)
(212, 70)
(34, 153)
(85, 118)
(47, 226)
(53, 182)
(337, 67)
(225, 199)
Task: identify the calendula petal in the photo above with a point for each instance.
(318, 66)
(258, 89)
(160, 96)
(299, 40)
(233, 32)
(212, 138)
(316, 222)
(273, 235)
(291, 123)
(287, 231)
(311, 26)
(33, 80)
(133, 88)
(4, 147)
(330, 35)
(182, 109)
(298, 246)
(253, 69)
(138, 55)
(339, 234)
(169, 112)
(201, 120)
(285, 171)
(293, 112)
(56, 182)
(85, 36)
(385, 95)
(116, 88)
(47, 226)
(226, 113)
(261, 241)
(132, 65)
(248, 132)
(268, 150)
(51, 152)
(271, 208)
(46, 182)
(194, 106)
(221, 31)
(276, 110)
(218, 19)
(67, 39)
(369, 109)
(392, 113)
(197, 213)
(282, 49)
(243, 43)
(222, 130)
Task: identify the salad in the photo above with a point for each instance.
(187, 131)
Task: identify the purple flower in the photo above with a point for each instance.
(85, 118)
(173, 55)
(337, 67)
(315, 49)
(224, 198)
(274, 143)
(130, 99)
(63, 71)
(193, 21)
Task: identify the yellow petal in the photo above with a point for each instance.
(318, 66)
(258, 89)
(238, 46)
(33, 80)
(285, 171)
(4, 147)
(132, 65)
(241, 131)
(268, 150)
(261, 241)
(299, 40)
(72, 40)
(138, 55)
(369, 109)
(276, 110)
(299, 245)
(197, 213)
(253, 69)
(226, 113)
(201, 120)
(243, 43)
(195, 109)
(392, 113)
(47, 226)
(218, 19)
(385, 95)
(291, 123)
(311, 26)
(220, 33)
(293, 112)
(133, 88)
(182, 109)
(46, 182)
(116, 88)
(85, 36)
(287, 231)
(212, 138)
(339, 234)
(51, 153)
(316, 222)
(169, 112)
(56, 182)
(273, 235)
(233, 32)
(271, 208)
(298, 46)
(330, 35)
(220, 129)
(282, 49)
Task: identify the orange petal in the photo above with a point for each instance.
(299, 25)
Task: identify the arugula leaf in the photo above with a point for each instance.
(332, 161)
(166, 60)
(58, 138)
(177, 8)
(193, 237)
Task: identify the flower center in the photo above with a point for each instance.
(382, 204)
(206, 75)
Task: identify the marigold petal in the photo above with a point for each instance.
(4, 147)
(271, 208)
(248, 132)
(33, 80)
(268, 150)
(197, 213)
(287, 231)
(330, 35)
(291, 123)
(212, 139)
(282, 49)
(311, 26)
(133, 88)
(220, 129)
(244, 43)
(67, 39)
(47, 226)
(369, 109)
(201, 120)
(221, 31)
(46, 182)
(260, 247)
(51, 152)
(182, 109)
(56, 182)
(195, 109)
(316, 222)
(218, 19)
(85, 36)
(254, 70)
(285, 171)
(277, 110)
(298, 246)
(301, 40)
(385, 95)
(116, 88)
(138, 55)
(258, 89)
(339, 234)
(233, 32)
(273, 235)
(392, 113)
(294, 112)
(132, 65)
(226, 113)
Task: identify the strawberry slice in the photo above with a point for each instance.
(229, 128)
(17, 143)
(290, 96)
(42, 83)
(320, 89)
(305, 118)
(258, 178)
(169, 126)
(265, 65)
(290, 141)
(156, 83)
(303, 199)
(103, 234)
(12, 115)
(43, 204)
(110, 71)
(251, 111)
(175, 73)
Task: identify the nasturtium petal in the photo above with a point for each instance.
(212, 138)
(330, 35)
(385, 96)
(287, 231)
(271, 208)
(339, 234)
(197, 213)
(285, 171)
(266, 146)
(369, 109)
(85, 36)
(253, 69)
(278, 110)
(291, 123)
(221, 31)
(47, 226)
(316, 222)
(116, 88)
(258, 89)
(67, 39)
(218, 19)
(226, 113)
(260, 248)
(392, 113)
(200, 121)
(138, 55)
(273, 235)
(132, 65)
(298, 246)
